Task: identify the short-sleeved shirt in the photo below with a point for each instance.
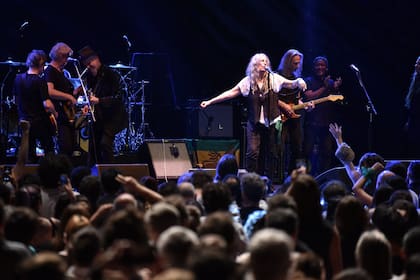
(30, 91)
(61, 83)
(276, 82)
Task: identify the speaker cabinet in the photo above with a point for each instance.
(28, 169)
(136, 170)
(215, 121)
(210, 171)
(337, 173)
(168, 159)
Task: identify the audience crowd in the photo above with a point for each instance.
(68, 223)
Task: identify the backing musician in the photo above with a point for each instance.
(62, 93)
(34, 104)
(106, 99)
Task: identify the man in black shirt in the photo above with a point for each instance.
(62, 94)
(108, 107)
(34, 104)
(318, 145)
(290, 67)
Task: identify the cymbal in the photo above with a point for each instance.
(122, 66)
(12, 63)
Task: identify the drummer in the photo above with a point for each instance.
(106, 99)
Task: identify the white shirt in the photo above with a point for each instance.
(276, 82)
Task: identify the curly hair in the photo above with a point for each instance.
(60, 51)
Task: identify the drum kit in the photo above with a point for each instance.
(8, 109)
(126, 141)
(132, 137)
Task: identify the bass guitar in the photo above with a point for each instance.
(331, 97)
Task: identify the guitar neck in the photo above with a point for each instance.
(315, 101)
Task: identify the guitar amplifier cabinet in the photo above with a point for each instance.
(215, 121)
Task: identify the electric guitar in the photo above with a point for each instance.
(331, 97)
(69, 111)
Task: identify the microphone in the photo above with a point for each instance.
(72, 59)
(354, 68)
(23, 26)
(127, 41)
(269, 70)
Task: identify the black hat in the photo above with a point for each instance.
(86, 53)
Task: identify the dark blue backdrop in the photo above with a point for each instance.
(207, 45)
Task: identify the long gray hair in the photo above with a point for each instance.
(252, 73)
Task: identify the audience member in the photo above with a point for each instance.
(51, 167)
(355, 273)
(12, 253)
(308, 266)
(21, 226)
(175, 246)
(45, 265)
(216, 197)
(86, 244)
(111, 187)
(253, 190)
(351, 220)
(373, 253)
(264, 247)
(413, 176)
(44, 234)
(332, 193)
(221, 223)
(314, 231)
(160, 217)
(227, 165)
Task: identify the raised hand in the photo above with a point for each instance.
(336, 132)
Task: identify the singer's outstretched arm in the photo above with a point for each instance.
(229, 94)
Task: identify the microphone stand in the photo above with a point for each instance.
(90, 115)
(370, 109)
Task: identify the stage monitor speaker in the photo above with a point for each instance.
(210, 171)
(337, 173)
(169, 159)
(28, 169)
(136, 170)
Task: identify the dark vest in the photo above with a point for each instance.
(269, 102)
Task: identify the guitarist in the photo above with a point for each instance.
(34, 104)
(290, 67)
(318, 146)
(62, 93)
(107, 100)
